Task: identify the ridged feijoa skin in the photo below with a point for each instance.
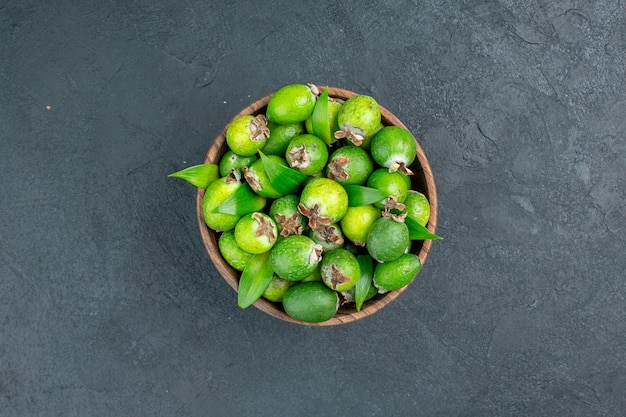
(311, 302)
(295, 257)
(391, 276)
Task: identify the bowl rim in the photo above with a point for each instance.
(231, 276)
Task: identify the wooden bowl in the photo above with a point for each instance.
(422, 181)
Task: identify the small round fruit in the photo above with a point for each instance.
(394, 148)
(417, 207)
(277, 288)
(311, 302)
(295, 257)
(387, 239)
(393, 275)
(358, 118)
(394, 184)
(215, 194)
(307, 154)
(284, 211)
(323, 200)
(350, 165)
(256, 233)
(357, 222)
(231, 252)
(231, 161)
(247, 134)
(258, 180)
(280, 136)
(292, 103)
(340, 270)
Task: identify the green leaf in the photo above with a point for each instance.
(419, 232)
(362, 287)
(359, 195)
(320, 121)
(243, 201)
(254, 280)
(199, 175)
(284, 179)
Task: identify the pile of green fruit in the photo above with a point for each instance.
(313, 203)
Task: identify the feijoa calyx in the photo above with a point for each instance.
(311, 302)
(340, 269)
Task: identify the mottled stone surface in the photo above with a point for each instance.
(109, 305)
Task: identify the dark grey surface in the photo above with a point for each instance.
(109, 305)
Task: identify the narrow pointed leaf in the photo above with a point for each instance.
(365, 280)
(243, 201)
(320, 122)
(419, 232)
(359, 195)
(198, 175)
(284, 179)
(254, 280)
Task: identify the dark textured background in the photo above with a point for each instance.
(109, 305)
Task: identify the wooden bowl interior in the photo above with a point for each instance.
(422, 181)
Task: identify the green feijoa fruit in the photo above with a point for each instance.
(256, 176)
(357, 222)
(231, 161)
(417, 207)
(311, 302)
(340, 270)
(350, 165)
(394, 184)
(231, 252)
(247, 134)
(280, 136)
(394, 148)
(328, 237)
(393, 275)
(214, 195)
(284, 211)
(256, 233)
(295, 257)
(333, 111)
(292, 103)
(323, 200)
(277, 288)
(387, 239)
(307, 153)
(358, 118)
